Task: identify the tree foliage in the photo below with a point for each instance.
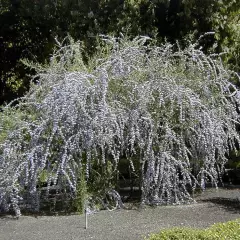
(29, 28)
(226, 23)
(171, 112)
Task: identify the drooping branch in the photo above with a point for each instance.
(175, 110)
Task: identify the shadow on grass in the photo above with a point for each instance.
(229, 204)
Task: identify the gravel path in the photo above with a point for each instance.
(212, 207)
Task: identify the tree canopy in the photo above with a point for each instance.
(29, 28)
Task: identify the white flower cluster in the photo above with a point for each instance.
(175, 111)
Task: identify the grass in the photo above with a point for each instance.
(220, 231)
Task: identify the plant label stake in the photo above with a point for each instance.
(86, 220)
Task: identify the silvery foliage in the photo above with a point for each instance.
(174, 110)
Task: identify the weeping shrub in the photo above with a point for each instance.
(171, 112)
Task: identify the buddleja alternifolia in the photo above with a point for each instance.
(175, 110)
